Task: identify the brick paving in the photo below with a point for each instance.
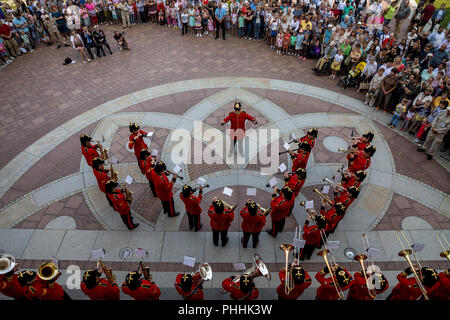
(322, 154)
(73, 206)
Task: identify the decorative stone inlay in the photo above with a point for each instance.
(333, 143)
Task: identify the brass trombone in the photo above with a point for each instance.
(406, 252)
(310, 212)
(324, 197)
(324, 253)
(446, 252)
(297, 236)
(360, 258)
(334, 184)
(288, 279)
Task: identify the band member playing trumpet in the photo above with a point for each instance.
(332, 216)
(350, 179)
(253, 220)
(281, 204)
(360, 160)
(147, 163)
(346, 197)
(362, 142)
(327, 289)
(311, 234)
(163, 188)
(136, 141)
(44, 286)
(192, 204)
(310, 137)
(243, 290)
(300, 158)
(220, 220)
(237, 119)
(441, 290)
(120, 204)
(97, 288)
(408, 288)
(295, 181)
(301, 279)
(88, 150)
(140, 289)
(187, 286)
(358, 287)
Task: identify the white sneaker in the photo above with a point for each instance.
(89, 60)
(84, 61)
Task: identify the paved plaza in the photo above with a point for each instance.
(51, 207)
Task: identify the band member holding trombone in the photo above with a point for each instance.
(163, 188)
(120, 204)
(409, 288)
(187, 285)
(192, 205)
(301, 281)
(358, 287)
(332, 216)
(88, 150)
(98, 288)
(253, 220)
(147, 163)
(281, 204)
(328, 290)
(311, 234)
(136, 141)
(140, 289)
(360, 160)
(243, 290)
(346, 197)
(300, 158)
(221, 215)
(441, 290)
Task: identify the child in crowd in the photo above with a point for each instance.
(410, 114)
(115, 19)
(400, 109)
(211, 26)
(421, 114)
(298, 44)
(279, 41)
(234, 22)
(286, 42)
(292, 44)
(305, 46)
(227, 25)
(198, 26)
(161, 17)
(336, 65)
(184, 21)
(131, 12)
(4, 54)
(241, 24)
(205, 16)
(191, 12)
(26, 41)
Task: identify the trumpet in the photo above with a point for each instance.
(334, 184)
(114, 173)
(107, 271)
(311, 213)
(128, 194)
(324, 197)
(198, 187)
(167, 172)
(324, 253)
(145, 271)
(103, 151)
(228, 206)
(446, 252)
(349, 150)
(266, 212)
(405, 253)
(288, 280)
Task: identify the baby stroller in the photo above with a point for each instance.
(351, 79)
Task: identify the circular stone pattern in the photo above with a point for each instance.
(332, 143)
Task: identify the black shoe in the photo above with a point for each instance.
(225, 242)
(420, 150)
(66, 45)
(270, 232)
(216, 38)
(216, 244)
(191, 227)
(243, 244)
(429, 157)
(59, 46)
(176, 214)
(110, 52)
(199, 228)
(255, 244)
(135, 225)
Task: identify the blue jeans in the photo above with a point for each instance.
(240, 32)
(248, 29)
(132, 18)
(257, 27)
(394, 120)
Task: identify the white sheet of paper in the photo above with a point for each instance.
(333, 244)
(309, 204)
(189, 261)
(98, 254)
(282, 167)
(140, 253)
(299, 243)
(325, 189)
(238, 266)
(227, 191)
(293, 137)
(114, 160)
(273, 182)
(201, 181)
(128, 179)
(417, 247)
(286, 146)
(150, 134)
(373, 252)
(177, 169)
(251, 191)
(154, 152)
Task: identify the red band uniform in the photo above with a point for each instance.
(48, 289)
(88, 150)
(97, 288)
(237, 119)
(301, 280)
(280, 207)
(120, 204)
(253, 220)
(147, 164)
(327, 290)
(16, 285)
(441, 291)
(408, 289)
(140, 289)
(187, 286)
(358, 288)
(241, 290)
(220, 221)
(295, 181)
(312, 237)
(163, 188)
(136, 141)
(192, 205)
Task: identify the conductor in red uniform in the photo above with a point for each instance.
(192, 204)
(98, 288)
(187, 286)
(301, 281)
(244, 289)
(253, 220)
(361, 159)
(88, 150)
(327, 289)
(136, 141)
(281, 204)
(220, 221)
(237, 119)
(140, 289)
(120, 204)
(163, 188)
(147, 163)
(300, 158)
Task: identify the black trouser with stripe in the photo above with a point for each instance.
(277, 226)
(223, 236)
(307, 251)
(109, 201)
(254, 235)
(169, 207)
(128, 220)
(194, 221)
(152, 187)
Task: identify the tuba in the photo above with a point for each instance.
(324, 197)
(205, 273)
(288, 279)
(48, 271)
(128, 194)
(405, 253)
(114, 174)
(446, 252)
(7, 263)
(107, 271)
